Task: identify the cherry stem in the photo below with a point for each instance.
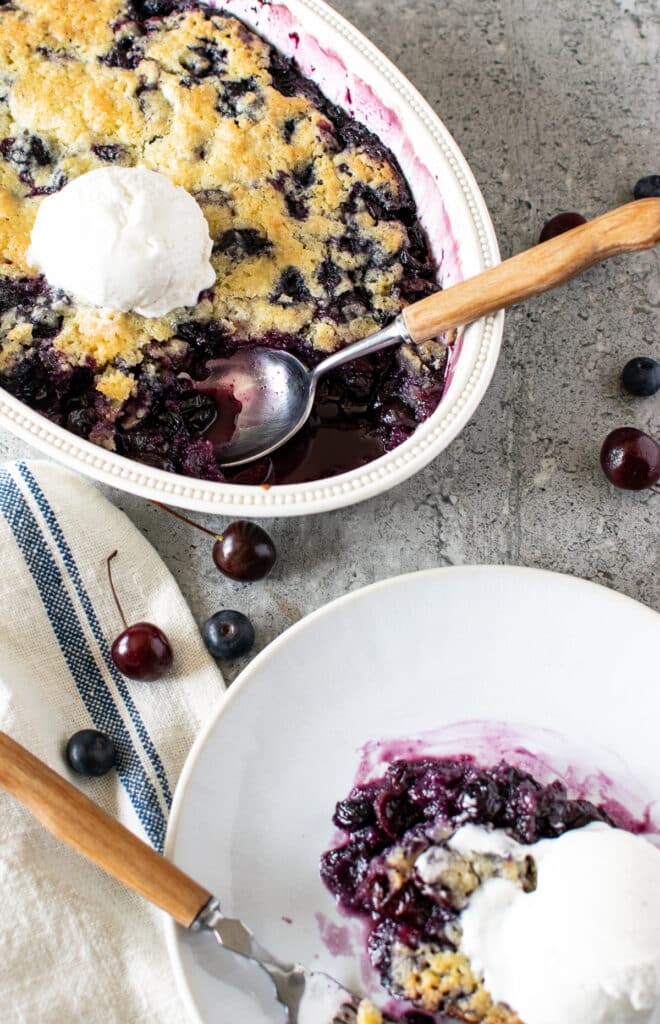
(114, 592)
(185, 519)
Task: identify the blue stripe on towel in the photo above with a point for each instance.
(79, 657)
(95, 626)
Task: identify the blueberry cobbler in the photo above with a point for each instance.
(436, 849)
(314, 236)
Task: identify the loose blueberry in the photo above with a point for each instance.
(90, 752)
(562, 222)
(228, 634)
(648, 187)
(641, 377)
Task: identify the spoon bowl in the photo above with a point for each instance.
(263, 397)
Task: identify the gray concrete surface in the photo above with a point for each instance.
(555, 106)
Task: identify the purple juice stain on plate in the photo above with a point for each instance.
(409, 792)
(336, 938)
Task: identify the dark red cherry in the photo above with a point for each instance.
(630, 459)
(244, 552)
(562, 222)
(142, 651)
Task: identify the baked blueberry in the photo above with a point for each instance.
(242, 243)
(125, 54)
(109, 153)
(354, 814)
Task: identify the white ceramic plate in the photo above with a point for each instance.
(567, 664)
(355, 75)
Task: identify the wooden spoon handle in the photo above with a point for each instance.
(630, 227)
(81, 824)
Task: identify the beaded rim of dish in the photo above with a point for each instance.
(348, 488)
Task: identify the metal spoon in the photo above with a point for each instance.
(276, 391)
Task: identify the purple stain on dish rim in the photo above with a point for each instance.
(345, 88)
(348, 90)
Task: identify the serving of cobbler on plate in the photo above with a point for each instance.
(315, 236)
(492, 898)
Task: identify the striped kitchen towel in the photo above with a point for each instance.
(74, 945)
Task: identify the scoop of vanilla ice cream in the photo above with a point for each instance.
(584, 947)
(124, 238)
